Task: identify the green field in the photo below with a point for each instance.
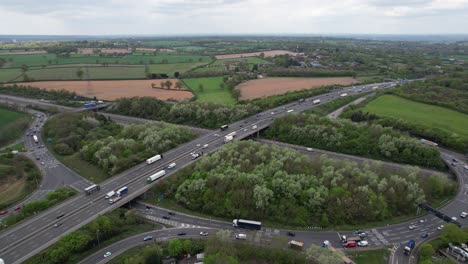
(170, 69)
(6, 75)
(219, 65)
(52, 59)
(7, 116)
(377, 256)
(212, 91)
(419, 113)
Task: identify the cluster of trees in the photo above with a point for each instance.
(60, 96)
(108, 145)
(307, 72)
(250, 180)
(434, 134)
(62, 49)
(69, 248)
(14, 129)
(15, 168)
(450, 90)
(168, 84)
(360, 139)
(37, 206)
(208, 115)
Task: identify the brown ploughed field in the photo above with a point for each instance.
(111, 90)
(273, 86)
(268, 53)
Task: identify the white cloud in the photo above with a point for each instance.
(232, 16)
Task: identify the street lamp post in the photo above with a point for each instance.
(97, 234)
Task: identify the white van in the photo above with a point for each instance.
(241, 236)
(109, 194)
(172, 165)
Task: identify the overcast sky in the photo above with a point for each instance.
(178, 17)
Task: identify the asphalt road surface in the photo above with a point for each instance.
(35, 234)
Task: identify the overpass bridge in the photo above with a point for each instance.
(33, 235)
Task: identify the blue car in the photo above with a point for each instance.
(424, 235)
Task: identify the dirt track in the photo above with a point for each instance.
(269, 53)
(273, 86)
(111, 90)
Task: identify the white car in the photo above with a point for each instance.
(310, 149)
(205, 146)
(203, 233)
(440, 227)
(198, 145)
(454, 218)
(422, 220)
(363, 243)
(107, 254)
(411, 227)
(463, 214)
(254, 127)
(465, 167)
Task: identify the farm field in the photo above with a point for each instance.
(8, 75)
(219, 65)
(170, 69)
(419, 113)
(52, 59)
(212, 91)
(93, 73)
(268, 53)
(111, 90)
(8, 116)
(273, 86)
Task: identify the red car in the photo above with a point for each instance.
(18, 208)
(349, 244)
(3, 212)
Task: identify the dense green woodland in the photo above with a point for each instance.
(12, 124)
(111, 146)
(347, 137)
(254, 181)
(75, 246)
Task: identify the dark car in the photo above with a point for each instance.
(3, 212)
(166, 217)
(171, 213)
(148, 207)
(60, 216)
(424, 235)
(18, 208)
(290, 233)
(181, 234)
(147, 238)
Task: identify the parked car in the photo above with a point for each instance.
(147, 238)
(363, 243)
(107, 254)
(349, 244)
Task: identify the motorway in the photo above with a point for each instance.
(35, 234)
(54, 173)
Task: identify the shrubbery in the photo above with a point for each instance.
(254, 181)
(353, 138)
(112, 147)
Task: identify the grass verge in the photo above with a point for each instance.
(212, 91)
(378, 256)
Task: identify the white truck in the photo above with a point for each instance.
(154, 159)
(115, 199)
(296, 244)
(110, 194)
(228, 139)
(317, 101)
(155, 176)
(36, 140)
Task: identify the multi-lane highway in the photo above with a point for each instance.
(28, 238)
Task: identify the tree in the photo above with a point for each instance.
(236, 93)
(79, 73)
(426, 251)
(24, 67)
(175, 248)
(162, 84)
(178, 85)
(176, 74)
(324, 222)
(168, 84)
(201, 88)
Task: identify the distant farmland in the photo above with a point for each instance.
(274, 86)
(268, 53)
(419, 113)
(111, 90)
(212, 91)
